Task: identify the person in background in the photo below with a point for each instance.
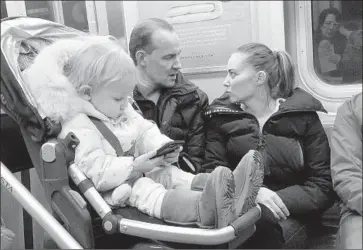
(163, 94)
(346, 169)
(352, 57)
(7, 236)
(329, 43)
(334, 43)
(263, 110)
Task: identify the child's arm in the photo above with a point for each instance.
(149, 136)
(106, 171)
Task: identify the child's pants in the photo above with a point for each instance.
(171, 177)
(148, 192)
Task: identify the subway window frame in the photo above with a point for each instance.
(306, 68)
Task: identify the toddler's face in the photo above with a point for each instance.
(112, 99)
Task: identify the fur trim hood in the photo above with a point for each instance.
(54, 95)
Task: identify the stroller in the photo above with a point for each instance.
(75, 223)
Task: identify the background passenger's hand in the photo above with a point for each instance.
(173, 156)
(334, 58)
(345, 32)
(143, 164)
(272, 201)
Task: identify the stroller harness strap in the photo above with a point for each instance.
(109, 136)
(115, 143)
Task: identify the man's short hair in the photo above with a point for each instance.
(141, 35)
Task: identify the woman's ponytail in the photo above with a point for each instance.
(286, 74)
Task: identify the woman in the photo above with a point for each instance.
(261, 109)
(329, 43)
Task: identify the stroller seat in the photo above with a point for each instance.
(66, 187)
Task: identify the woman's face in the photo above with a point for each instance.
(329, 27)
(241, 78)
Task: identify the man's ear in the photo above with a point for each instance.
(141, 57)
(85, 92)
(261, 77)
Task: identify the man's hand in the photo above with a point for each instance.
(173, 156)
(271, 200)
(143, 164)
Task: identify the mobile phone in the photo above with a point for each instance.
(168, 148)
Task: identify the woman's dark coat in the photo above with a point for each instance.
(293, 143)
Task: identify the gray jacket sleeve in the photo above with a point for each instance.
(346, 154)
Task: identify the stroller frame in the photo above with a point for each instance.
(61, 236)
(55, 166)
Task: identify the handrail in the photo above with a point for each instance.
(58, 233)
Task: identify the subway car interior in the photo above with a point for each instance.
(47, 202)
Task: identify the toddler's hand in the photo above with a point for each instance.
(173, 156)
(143, 164)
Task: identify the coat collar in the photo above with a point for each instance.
(182, 87)
(299, 101)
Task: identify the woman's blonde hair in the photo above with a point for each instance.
(99, 62)
(277, 64)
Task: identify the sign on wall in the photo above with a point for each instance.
(209, 30)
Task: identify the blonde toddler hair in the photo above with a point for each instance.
(99, 62)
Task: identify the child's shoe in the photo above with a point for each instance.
(213, 207)
(248, 177)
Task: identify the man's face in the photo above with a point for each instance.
(163, 63)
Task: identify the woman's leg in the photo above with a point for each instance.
(268, 235)
(213, 207)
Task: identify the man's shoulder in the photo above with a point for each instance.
(352, 108)
(191, 87)
(353, 103)
(202, 95)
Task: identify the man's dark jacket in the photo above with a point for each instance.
(293, 143)
(179, 115)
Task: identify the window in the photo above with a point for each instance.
(70, 13)
(75, 15)
(115, 18)
(332, 88)
(40, 9)
(337, 41)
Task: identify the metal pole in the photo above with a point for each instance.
(63, 239)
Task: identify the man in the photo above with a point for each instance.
(162, 93)
(346, 168)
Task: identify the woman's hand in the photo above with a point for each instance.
(173, 156)
(143, 164)
(271, 200)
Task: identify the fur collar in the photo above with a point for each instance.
(55, 96)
